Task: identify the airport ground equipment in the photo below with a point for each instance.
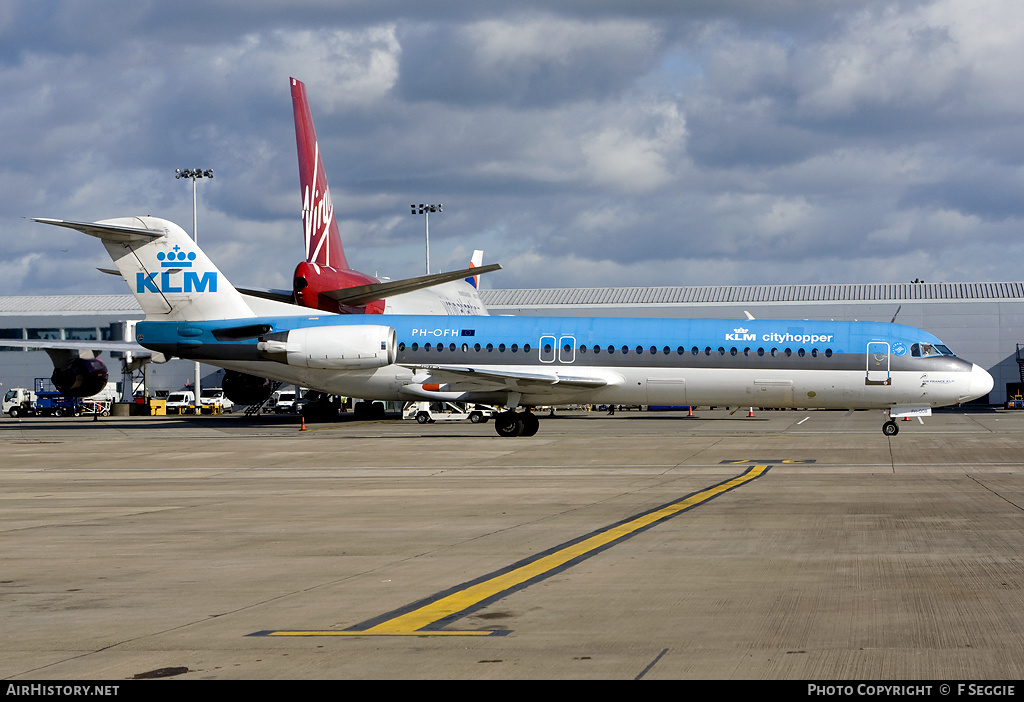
(257, 407)
(1015, 401)
(214, 401)
(181, 402)
(19, 401)
(430, 412)
(50, 401)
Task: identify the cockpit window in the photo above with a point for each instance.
(924, 350)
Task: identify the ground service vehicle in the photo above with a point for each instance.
(285, 402)
(428, 412)
(181, 402)
(19, 401)
(45, 400)
(214, 401)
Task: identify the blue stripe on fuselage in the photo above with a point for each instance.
(840, 337)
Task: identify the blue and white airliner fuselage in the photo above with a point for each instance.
(193, 312)
(533, 361)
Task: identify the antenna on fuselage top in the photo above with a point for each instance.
(893, 320)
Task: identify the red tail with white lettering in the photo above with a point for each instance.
(323, 242)
(324, 280)
(325, 268)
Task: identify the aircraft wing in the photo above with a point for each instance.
(76, 345)
(87, 349)
(362, 294)
(470, 379)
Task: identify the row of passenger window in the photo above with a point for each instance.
(653, 350)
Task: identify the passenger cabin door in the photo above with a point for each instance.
(563, 350)
(878, 364)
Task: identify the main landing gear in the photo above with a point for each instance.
(514, 423)
(890, 428)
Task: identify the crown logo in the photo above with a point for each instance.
(176, 258)
(741, 330)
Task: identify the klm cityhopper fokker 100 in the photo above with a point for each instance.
(193, 312)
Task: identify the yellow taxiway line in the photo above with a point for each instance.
(426, 617)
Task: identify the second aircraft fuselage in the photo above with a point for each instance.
(766, 363)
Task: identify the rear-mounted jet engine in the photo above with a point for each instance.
(332, 348)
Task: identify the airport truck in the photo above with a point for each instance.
(51, 402)
(19, 401)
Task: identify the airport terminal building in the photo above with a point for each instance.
(981, 322)
(80, 318)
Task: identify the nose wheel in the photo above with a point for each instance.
(890, 428)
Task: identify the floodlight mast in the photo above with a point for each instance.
(195, 173)
(425, 210)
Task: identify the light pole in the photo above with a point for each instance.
(425, 210)
(195, 173)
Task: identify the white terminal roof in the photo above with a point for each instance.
(50, 305)
(704, 294)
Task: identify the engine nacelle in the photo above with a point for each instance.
(245, 389)
(82, 377)
(348, 347)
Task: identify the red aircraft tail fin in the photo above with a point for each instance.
(320, 228)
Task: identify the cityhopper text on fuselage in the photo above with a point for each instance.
(523, 362)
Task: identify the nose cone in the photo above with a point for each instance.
(981, 383)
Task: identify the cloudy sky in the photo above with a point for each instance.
(579, 143)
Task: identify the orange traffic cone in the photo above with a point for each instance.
(751, 412)
(303, 424)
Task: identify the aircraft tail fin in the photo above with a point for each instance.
(475, 262)
(320, 228)
(170, 276)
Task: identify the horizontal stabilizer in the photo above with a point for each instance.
(362, 294)
(107, 232)
(285, 296)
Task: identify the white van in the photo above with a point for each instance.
(214, 401)
(288, 401)
(181, 402)
(429, 412)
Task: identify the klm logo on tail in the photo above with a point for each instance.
(169, 281)
(166, 282)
